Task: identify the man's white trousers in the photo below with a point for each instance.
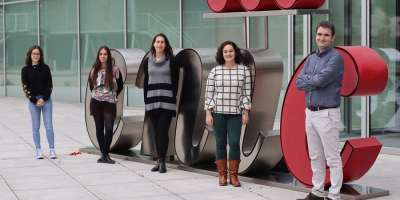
(322, 129)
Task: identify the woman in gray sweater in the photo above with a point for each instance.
(161, 71)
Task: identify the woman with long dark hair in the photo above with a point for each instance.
(227, 105)
(105, 82)
(160, 88)
(37, 84)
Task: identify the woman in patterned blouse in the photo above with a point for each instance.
(105, 82)
(227, 104)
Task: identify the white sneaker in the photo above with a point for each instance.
(39, 154)
(52, 154)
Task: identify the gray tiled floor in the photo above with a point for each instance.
(80, 177)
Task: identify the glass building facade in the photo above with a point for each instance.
(71, 31)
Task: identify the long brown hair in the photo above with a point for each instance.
(109, 70)
(28, 59)
(168, 49)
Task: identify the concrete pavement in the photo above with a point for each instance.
(22, 176)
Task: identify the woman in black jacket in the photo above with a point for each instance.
(160, 88)
(38, 85)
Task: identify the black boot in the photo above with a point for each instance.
(156, 168)
(162, 168)
(106, 158)
(100, 160)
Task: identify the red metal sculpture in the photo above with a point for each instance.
(258, 5)
(225, 5)
(365, 74)
(299, 4)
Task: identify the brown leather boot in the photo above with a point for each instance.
(233, 172)
(222, 171)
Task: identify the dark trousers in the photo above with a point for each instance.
(104, 131)
(161, 126)
(227, 127)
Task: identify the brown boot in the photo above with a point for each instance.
(233, 172)
(222, 171)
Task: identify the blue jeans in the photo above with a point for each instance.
(47, 110)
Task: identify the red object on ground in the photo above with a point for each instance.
(365, 74)
(225, 5)
(300, 4)
(74, 153)
(258, 5)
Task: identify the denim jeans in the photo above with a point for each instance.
(47, 110)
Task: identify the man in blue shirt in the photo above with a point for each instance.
(321, 79)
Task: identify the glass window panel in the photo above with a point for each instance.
(21, 33)
(385, 115)
(256, 35)
(199, 32)
(278, 40)
(101, 24)
(298, 40)
(2, 82)
(144, 21)
(59, 41)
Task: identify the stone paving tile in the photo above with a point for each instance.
(3, 185)
(62, 151)
(273, 192)
(197, 185)
(68, 144)
(18, 154)
(7, 133)
(65, 193)
(152, 197)
(37, 171)
(23, 162)
(127, 190)
(9, 195)
(12, 141)
(101, 178)
(71, 159)
(135, 166)
(43, 182)
(93, 167)
(15, 147)
(172, 174)
(222, 195)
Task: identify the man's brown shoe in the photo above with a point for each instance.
(312, 196)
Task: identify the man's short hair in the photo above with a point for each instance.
(326, 24)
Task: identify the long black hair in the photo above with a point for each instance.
(108, 82)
